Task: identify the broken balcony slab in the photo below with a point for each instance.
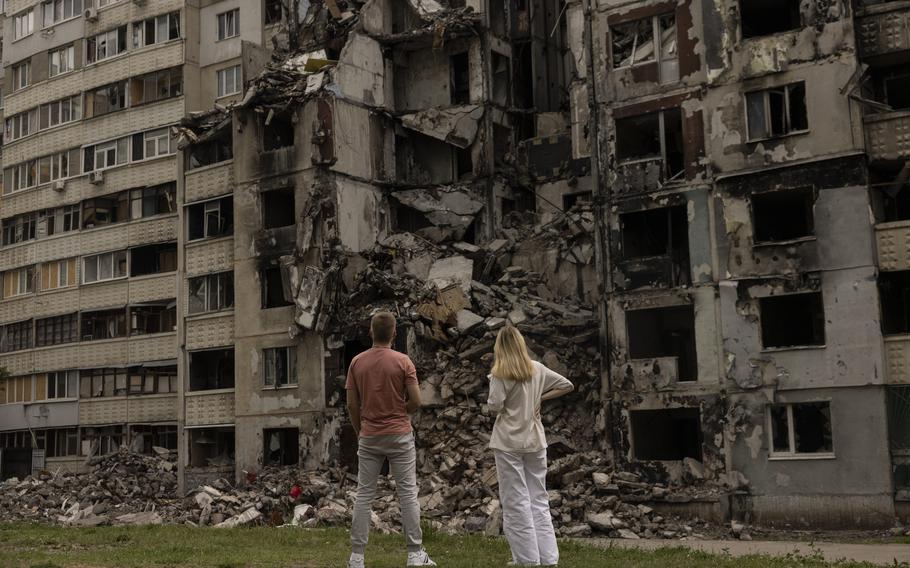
(450, 209)
(452, 270)
(454, 125)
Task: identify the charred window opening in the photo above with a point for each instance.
(210, 219)
(661, 238)
(159, 317)
(890, 192)
(792, 320)
(277, 208)
(569, 200)
(105, 324)
(783, 215)
(105, 210)
(420, 159)
(211, 369)
(769, 17)
(144, 437)
(282, 446)
(524, 76)
(460, 79)
(218, 149)
(520, 201)
(894, 294)
(279, 133)
(502, 79)
(633, 43)
(153, 259)
(895, 87)
(664, 332)
(653, 136)
(272, 12)
(211, 447)
(408, 219)
(272, 287)
(502, 144)
(771, 113)
(801, 428)
(101, 441)
(666, 435)
(498, 17)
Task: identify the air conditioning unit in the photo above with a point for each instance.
(47, 33)
(96, 178)
(58, 185)
(90, 14)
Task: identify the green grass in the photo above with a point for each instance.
(41, 546)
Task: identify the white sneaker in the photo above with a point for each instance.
(356, 560)
(420, 559)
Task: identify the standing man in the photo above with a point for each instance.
(382, 390)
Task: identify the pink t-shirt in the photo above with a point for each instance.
(380, 376)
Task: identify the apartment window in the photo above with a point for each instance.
(103, 100)
(59, 10)
(272, 12)
(58, 274)
(156, 86)
(21, 439)
(16, 389)
(53, 168)
(210, 447)
(59, 442)
(61, 220)
(21, 176)
(211, 292)
(18, 282)
(106, 440)
(105, 324)
(22, 75)
(146, 438)
(60, 112)
(96, 383)
(151, 201)
(229, 24)
(62, 60)
(211, 369)
(19, 229)
(56, 330)
(792, 320)
(659, 237)
(106, 155)
(776, 112)
(669, 434)
(158, 317)
(16, 336)
(282, 446)
(280, 366)
(156, 30)
(648, 40)
(664, 332)
(769, 17)
(22, 124)
(106, 266)
(894, 295)
(783, 215)
(153, 259)
(212, 151)
(460, 79)
(23, 24)
(63, 384)
(655, 136)
(152, 144)
(279, 133)
(159, 380)
(105, 210)
(105, 45)
(228, 81)
(272, 289)
(800, 429)
(277, 208)
(210, 219)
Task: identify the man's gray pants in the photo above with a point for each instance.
(371, 453)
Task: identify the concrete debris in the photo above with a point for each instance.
(454, 125)
(451, 210)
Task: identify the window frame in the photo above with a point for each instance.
(766, 110)
(74, 12)
(225, 22)
(98, 267)
(791, 433)
(290, 361)
(221, 81)
(223, 284)
(141, 28)
(54, 330)
(66, 53)
(92, 54)
(29, 19)
(22, 74)
(657, 53)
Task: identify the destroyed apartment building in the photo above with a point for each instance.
(697, 210)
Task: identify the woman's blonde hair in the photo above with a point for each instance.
(510, 356)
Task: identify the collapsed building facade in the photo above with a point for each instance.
(696, 209)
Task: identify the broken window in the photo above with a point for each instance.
(151, 201)
(95, 383)
(769, 17)
(800, 428)
(211, 447)
(16, 336)
(668, 434)
(652, 136)
(282, 446)
(272, 288)
(633, 43)
(460, 79)
(502, 144)
(279, 133)
(58, 442)
(20, 228)
(101, 441)
(57, 330)
(569, 200)
(783, 215)
(105, 266)
(211, 292)
(156, 86)
(211, 369)
(502, 79)
(218, 149)
(103, 100)
(210, 219)
(894, 294)
(153, 259)
(272, 12)
(664, 332)
(105, 210)
(655, 247)
(776, 112)
(277, 208)
(279, 366)
(155, 380)
(104, 324)
(792, 320)
(158, 317)
(144, 437)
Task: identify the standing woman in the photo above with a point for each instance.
(517, 388)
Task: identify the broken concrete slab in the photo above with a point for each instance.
(452, 270)
(243, 518)
(467, 320)
(453, 125)
(447, 208)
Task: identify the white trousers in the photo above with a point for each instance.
(526, 507)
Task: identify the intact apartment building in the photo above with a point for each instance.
(89, 212)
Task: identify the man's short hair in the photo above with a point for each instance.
(383, 327)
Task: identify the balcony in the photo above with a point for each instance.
(204, 407)
(893, 244)
(882, 29)
(210, 181)
(897, 358)
(888, 136)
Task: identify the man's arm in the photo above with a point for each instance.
(354, 409)
(414, 401)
